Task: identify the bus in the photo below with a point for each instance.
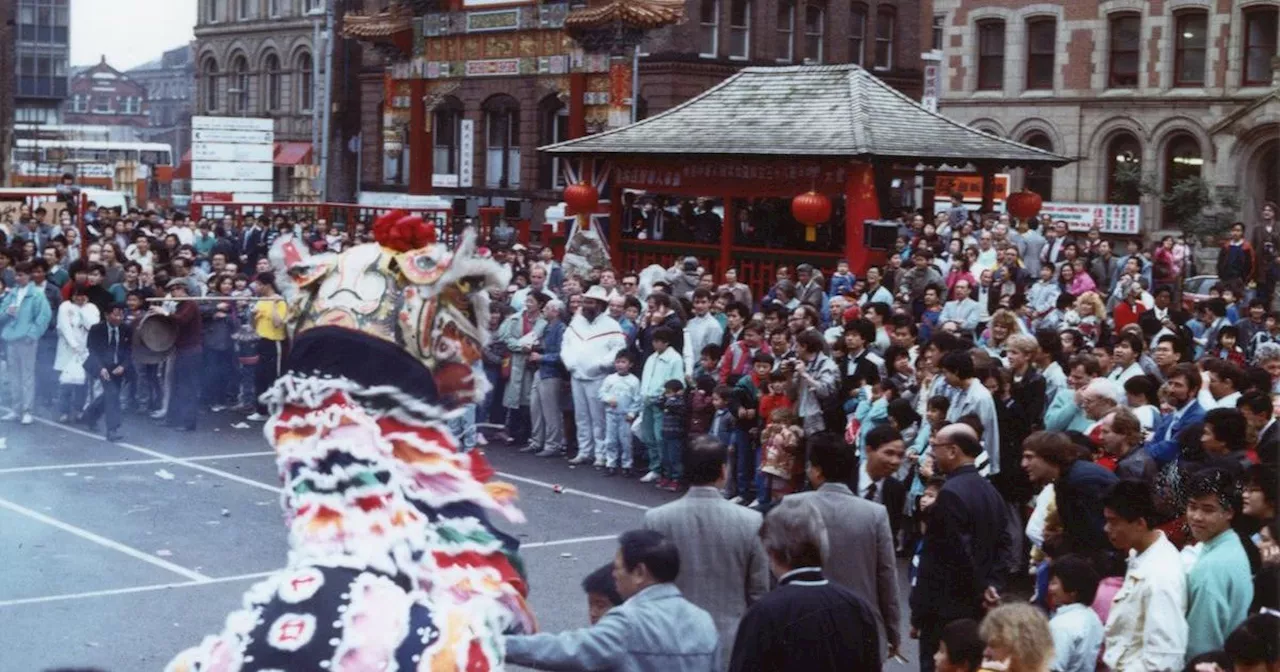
(141, 171)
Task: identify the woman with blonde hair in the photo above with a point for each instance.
(995, 339)
(1088, 316)
(1017, 638)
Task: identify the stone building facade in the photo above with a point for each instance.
(526, 110)
(170, 84)
(100, 95)
(255, 58)
(1177, 88)
(8, 87)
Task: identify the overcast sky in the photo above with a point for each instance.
(128, 32)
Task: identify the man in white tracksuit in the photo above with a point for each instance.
(590, 345)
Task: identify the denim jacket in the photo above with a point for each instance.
(657, 630)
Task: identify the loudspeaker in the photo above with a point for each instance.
(879, 234)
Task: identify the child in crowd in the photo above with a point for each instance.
(707, 362)
(778, 396)
(960, 647)
(739, 357)
(620, 393)
(749, 390)
(842, 280)
(724, 427)
(1076, 630)
(927, 497)
(602, 592)
(674, 418)
(700, 408)
(661, 367)
(782, 459)
(1228, 346)
(919, 455)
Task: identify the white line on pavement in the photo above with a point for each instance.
(205, 581)
(103, 541)
(186, 462)
(134, 589)
(572, 491)
(131, 463)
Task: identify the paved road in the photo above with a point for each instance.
(119, 556)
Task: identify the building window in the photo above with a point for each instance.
(209, 79)
(271, 66)
(306, 82)
(1259, 45)
(309, 6)
(939, 30)
(1042, 37)
(553, 127)
(43, 22)
(238, 93)
(79, 103)
(886, 24)
(709, 29)
(857, 33)
(1182, 160)
(815, 22)
(42, 75)
(246, 9)
(991, 55)
(786, 31)
(1040, 178)
(102, 105)
(212, 11)
(273, 8)
(446, 127)
(502, 146)
(1190, 40)
(1124, 163)
(1126, 37)
(740, 29)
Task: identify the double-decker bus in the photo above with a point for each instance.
(141, 171)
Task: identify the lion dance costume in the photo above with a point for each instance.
(393, 563)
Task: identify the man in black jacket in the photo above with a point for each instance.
(808, 622)
(967, 549)
(874, 479)
(110, 352)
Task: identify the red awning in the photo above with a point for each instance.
(292, 153)
(183, 171)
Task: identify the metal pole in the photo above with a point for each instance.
(315, 94)
(328, 102)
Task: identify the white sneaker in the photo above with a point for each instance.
(10, 416)
(217, 409)
(599, 462)
(257, 417)
(736, 500)
(754, 505)
(581, 459)
(27, 419)
(650, 477)
(480, 440)
(156, 415)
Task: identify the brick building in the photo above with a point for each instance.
(100, 95)
(8, 87)
(170, 84)
(1175, 87)
(513, 112)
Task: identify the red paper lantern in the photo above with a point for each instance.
(1024, 204)
(581, 198)
(811, 209)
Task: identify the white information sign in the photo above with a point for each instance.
(1115, 219)
(233, 155)
(466, 147)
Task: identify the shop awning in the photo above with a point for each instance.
(292, 153)
(183, 171)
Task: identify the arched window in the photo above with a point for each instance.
(886, 25)
(857, 33)
(502, 142)
(1124, 169)
(306, 81)
(1040, 178)
(553, 127)
(815, 25)
(1182, 159)
(238, 92)
(271, 66)
(991, 55)
(209, 80)
(446, 131)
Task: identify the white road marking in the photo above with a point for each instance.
(132, 463)
(206, 581)
(184, 461)
(103, 541)
(572, 491)
(133, 589)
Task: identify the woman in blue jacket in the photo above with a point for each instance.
(24, 316)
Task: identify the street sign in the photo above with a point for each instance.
(232, 124)
(237, 137)
(208, 151)
(233, 155)
(231, 170)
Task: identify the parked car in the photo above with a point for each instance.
(1196, 289)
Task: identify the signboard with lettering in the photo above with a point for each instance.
(763, 177)
(466, 149)
(968, 185)
(1123, 220)
(233, 155)
(493, 67)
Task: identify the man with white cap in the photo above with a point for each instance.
(590, 345)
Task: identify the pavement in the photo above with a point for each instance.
(118, 556)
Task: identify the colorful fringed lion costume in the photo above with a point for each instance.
(393, 564)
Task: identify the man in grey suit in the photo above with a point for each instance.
(723, 566)
(861, 544)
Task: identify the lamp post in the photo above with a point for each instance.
(316, 14)
(328, 102)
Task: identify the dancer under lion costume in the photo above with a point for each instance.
(393, 563)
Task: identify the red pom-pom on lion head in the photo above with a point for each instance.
(400, 231)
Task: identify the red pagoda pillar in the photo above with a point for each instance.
(420, 168)
(861, 205)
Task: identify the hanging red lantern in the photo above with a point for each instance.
(582, 199)
(811, 209)
(1024, 204)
